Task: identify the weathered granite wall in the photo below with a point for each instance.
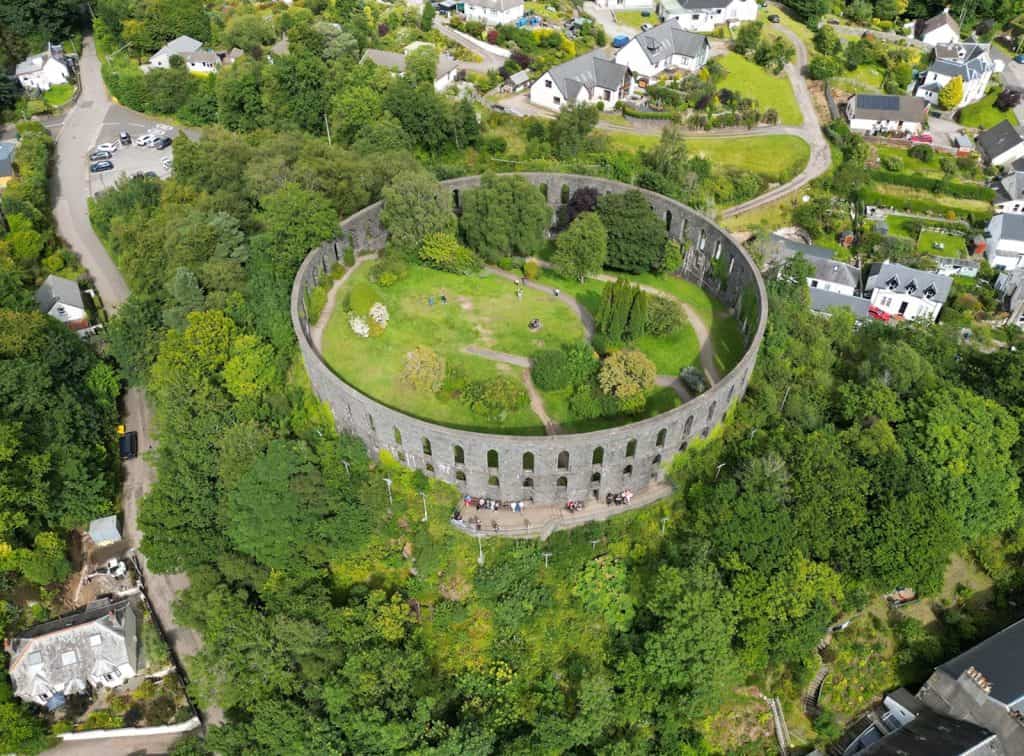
(547, 468)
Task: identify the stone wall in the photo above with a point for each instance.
(547, 468)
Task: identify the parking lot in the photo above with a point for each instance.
(132, 159)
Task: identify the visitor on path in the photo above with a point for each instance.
(556, 292)
(430, 301)
(444, 299)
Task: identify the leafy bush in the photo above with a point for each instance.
(443, 252)
(550, 371)
(891, 163)
(664, 316)
(424, 370)
(921, 152)
(388, 272)
(936, 185)
(531, 270)
(497, 398)
(361, 298)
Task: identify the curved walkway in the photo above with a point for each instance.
(316, 333)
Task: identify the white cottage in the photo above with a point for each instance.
(705, 15)
(875, 114)
(1004, 242)
(590, 78)
(60, 298)
(665, 47)
(903, 293)
(938, 30)
(494, 12)
(37, 73)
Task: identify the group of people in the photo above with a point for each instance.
(618, 499)
(493, 505)
(574, 506)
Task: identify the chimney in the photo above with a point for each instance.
(979, 679)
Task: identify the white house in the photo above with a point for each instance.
(903, 293)
(589, 78)
(971, 62)
(447, 67)
(831, 283)
(1001, 144)
(875, 114)
(61, 298)
(1010, 191)
(665, 47)
(1010, 286)
(1004, 242)
(938, 30)
(44, 70)
(705, 15)
(494, 12)
(624, 4)
(97, 646)
(197, 58)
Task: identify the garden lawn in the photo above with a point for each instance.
(750, 80)
(789, 154)
(912, 165)
(863, 79)
(770, 216)
(941, 202)
(557, 405)
(984, 115)
(635, 18)
(58, 95)
(953, 246)
(482, 310)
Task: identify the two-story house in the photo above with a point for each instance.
(705, 15)
(938, 30)
(590, 78)
(1001, 144)
(39, 72)
(970, 61)
(904, 293)
(666, 47)
(1004, 241)
(494, 12)
(875, 114)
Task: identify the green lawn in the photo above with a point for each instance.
(863, 79)
(941, 200)
(58, 95)
(953, 246)
(635, 18)
(984, 115)
(789, 154)
(912, 165)
(482, 310)
(897, 225)
(750, 80)
(785, 21)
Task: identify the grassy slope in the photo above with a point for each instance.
(770, 91)
(58, 95)
(983, 114)
(954, 246)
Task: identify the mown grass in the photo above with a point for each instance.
(984, 115)
(770, 91)
(58, 95)
(952, 246)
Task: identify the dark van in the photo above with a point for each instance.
(129, 443)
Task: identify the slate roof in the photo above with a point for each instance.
(704, 4)
(834, 271)
(931, 734)
(997, 140)
(518, 78)
(104, 530)
(821, 300)
(668, 39)
(499, 5)
(396, 61)
(1013, 184)
(34, 63)
(7, 159)
(936, 22)
(1008, 226)
(964, 263)
(203, 56)
(56, 289)
(586, 72)
(974, 64)
(905, 280)
(889, 108)
(1000, 658)
(182, 46)
(791, 248)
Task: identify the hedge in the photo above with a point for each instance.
(872, 197)
(939, 186)
(645, 114)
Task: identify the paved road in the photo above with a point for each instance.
(821, 156)
(69, 191)
(490, 60)
(606, 17)
(154, 744)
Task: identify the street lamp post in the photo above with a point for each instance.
(480, 545)
(424, 497)
(718, 470)
(387, 482)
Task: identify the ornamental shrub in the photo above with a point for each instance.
(531, 270)
(664, 316)
(362, 297)
(442, 251)
(550, 371)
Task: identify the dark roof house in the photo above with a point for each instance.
(587, 72)
(931, 734)
(923, 27)
(666, 40)
(921, 284)
(1001, 143)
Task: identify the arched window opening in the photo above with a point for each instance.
(492, 458)
(527, 482)
(657, 460)
(595, 478)
(689, 425)
(661, 437)
(627, 471)
(563, 460)
(598, 456)
(493, 481)
(528, 462)
(682, 446)
(426, 447)
(398, 436)
(460, 476)
(631, 448)
(460, 455)
(668, 220)
(430, 468)
(565, 194)
(711, 410)
(562, 483)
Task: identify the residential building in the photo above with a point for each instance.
(445, 75)
(1010, 286)
(956, 266)
(1004, 241)
(517, 82)
(103, 531)
(43, 70)
(590, 78)
(1010, 190)
(96, 646)
(61, 298)
(665, 47)
(494, 12)
(705, 15)
(831, 283)
(1001, 144)
(876, 114)
(232, 55)
(624, 4)
(198, 59)
(938, 30)
(970, 61)
(903, 293)
(6, 162)
(931, 734)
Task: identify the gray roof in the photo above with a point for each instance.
(668, 39)
(997, 140)
(77, 649)
(704, 4)
(1013, 184)
(519, 77)
(1000, 658)
(35, 62)
(281, 46)
(889, 107)
(7, 159)
(969, 60)
(232, 55)
(1006, 226)
(396, 61)
(789, 248)
(822, 300)
(935, 22)
(586, 72)
(834, 271)
(920, 284)
(182, 45)
(957, 262)
(500, 5)
(203, 56)
(56, 289)
(104, 530)
(931, 734)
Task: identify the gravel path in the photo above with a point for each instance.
(316, 333)
(536, 402)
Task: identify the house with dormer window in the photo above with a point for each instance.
(898, 292)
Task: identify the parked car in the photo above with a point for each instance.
(145, 140)
(125, 138)
(103, 165)
(129, 445)
(1018, 58)
(774, 18)
(645, 27)
(110, 147)
(620, 40)
(100, 155)
(924, 138)
(162, 143)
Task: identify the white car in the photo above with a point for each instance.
(145, 140)
(108, 146)
(166, 162)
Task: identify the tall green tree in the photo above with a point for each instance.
(636, 236)
(415, 206)
(504, 216)
(581, 249)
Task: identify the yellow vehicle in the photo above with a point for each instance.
(120, 429)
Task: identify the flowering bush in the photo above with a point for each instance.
(358, 325)
(379, 314)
